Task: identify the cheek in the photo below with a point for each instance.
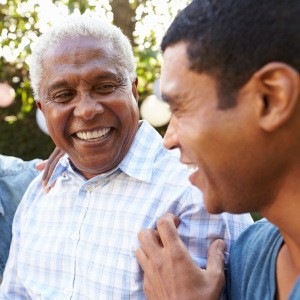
(56, 120)
(189, 137)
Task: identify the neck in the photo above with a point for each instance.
(284, 212)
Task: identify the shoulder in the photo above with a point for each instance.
(15, 177)
(11, 166)
(254, 242)
(256, 235)
(252, 261)
(295, 294)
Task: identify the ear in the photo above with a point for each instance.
(135, 90)
(279, 94)
(39, 105)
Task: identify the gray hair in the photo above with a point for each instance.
(76, 25)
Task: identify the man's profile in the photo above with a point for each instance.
(231, 76)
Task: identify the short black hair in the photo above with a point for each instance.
(231, 39)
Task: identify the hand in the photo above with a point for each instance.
(49, 166)
(170, 272)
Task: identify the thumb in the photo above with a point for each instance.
(215, 268)
(216, 258)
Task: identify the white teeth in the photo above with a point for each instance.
(89, 135)
(192, 167)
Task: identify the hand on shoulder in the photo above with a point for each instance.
(170, 272)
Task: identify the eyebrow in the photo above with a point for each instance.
(57, 85)
(107, 75)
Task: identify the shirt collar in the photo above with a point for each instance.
(138, 162)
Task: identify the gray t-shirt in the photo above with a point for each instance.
(252, 264)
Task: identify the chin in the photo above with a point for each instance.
(216, 204)
(212, 207)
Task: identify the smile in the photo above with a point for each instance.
(91, 135)
(192, 167)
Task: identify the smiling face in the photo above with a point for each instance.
(224, 145)
(89, 104)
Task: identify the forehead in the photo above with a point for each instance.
(173, 70)
(77, 55)
(182, 86)
(175, 63)
(177, 79)
(79, 52)
(69, 47)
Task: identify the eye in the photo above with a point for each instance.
(63, 96)
(105, 88)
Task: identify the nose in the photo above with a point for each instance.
(171, 137)
(88, 107)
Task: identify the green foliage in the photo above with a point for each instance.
(256, 216)
(16, 28)
(148, 69)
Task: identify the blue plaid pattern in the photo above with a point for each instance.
(79, 240)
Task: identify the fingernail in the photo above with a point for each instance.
(221, 245)
(47, 189)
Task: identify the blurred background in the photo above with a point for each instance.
(22, 131)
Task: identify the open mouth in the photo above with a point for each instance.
(93, 135)
(192, 167)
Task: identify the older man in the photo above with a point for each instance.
(231, 75)
(78, 241)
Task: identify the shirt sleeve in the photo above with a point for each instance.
(11, 287)
(198, 229)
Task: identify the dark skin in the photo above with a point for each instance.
(49, 165)
(266, 121)
(163, 255)
(89, 104)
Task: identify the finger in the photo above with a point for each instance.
(175, 219)
(167, 229)
(142, 258)
(216, 258)
(150, 241)
(49, 187)
(41, 165)
(51, 164)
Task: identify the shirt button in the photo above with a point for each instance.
(88, 188)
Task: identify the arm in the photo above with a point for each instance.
(170, 272)
(11, 286)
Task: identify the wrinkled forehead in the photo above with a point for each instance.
(82, 54)
(72, 48)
